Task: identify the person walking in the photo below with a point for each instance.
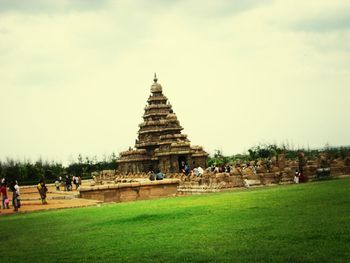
(57, 185)
(76, 182)
(4, 196)
(42, 191)
(16, 200)
(68, 183)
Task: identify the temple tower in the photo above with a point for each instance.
(160, 144)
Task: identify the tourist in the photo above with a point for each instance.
(16, 201)
(68, 183)
(4, 196)
(200, 170)
(302, 178)
(42, 191)
(57, 184)
(296, 176)
(182, 166)
(216, 169)
(192, 173)
(62, 182)
(254, 169)
(152, 175)
(159, 176)
(76, 182)
(187, 169)
(268, 165)
(3, 180)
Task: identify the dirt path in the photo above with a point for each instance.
(30, 200)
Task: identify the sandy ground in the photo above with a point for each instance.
(30, 200)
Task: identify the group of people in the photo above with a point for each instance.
(156, 176)
(219, 169)
(14, 188)
(186, 169)
(67, 182)
(16, 196)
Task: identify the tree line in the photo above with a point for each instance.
(27, 172)
(266, 151)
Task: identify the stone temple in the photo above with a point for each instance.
(160, 145)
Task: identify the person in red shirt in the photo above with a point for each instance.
(4, 196)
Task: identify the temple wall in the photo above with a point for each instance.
(212, 182)
(209, 181)
(135, 167)
(199, 161)
(123, 192)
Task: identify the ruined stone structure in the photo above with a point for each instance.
(122, 192)
(160, 145)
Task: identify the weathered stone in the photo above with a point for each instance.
(131, 191)
(160, 144)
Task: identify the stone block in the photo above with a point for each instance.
(110, 196)
(253, 182)
(145, 192)
(102, 187)
(127, 194)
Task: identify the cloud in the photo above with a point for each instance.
(49, 6)
(324, 24)
(311, 16)
(236, 72)
(217, 9)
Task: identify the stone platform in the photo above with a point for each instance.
(122, 192)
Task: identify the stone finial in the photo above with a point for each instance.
(155, 78)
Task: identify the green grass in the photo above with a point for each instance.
(294, 223)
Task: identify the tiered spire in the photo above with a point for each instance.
(157, 121)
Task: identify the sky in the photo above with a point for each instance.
(75, 75)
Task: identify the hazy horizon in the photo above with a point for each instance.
(75, 75)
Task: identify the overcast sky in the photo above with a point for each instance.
(75, 75)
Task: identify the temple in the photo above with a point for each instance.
(160, 145)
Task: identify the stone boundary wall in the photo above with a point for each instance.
(237, 177)
(213, 182)
(123, 192)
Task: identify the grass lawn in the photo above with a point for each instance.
(293, 223)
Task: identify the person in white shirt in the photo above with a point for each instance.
(200, 170)
(16, 201)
